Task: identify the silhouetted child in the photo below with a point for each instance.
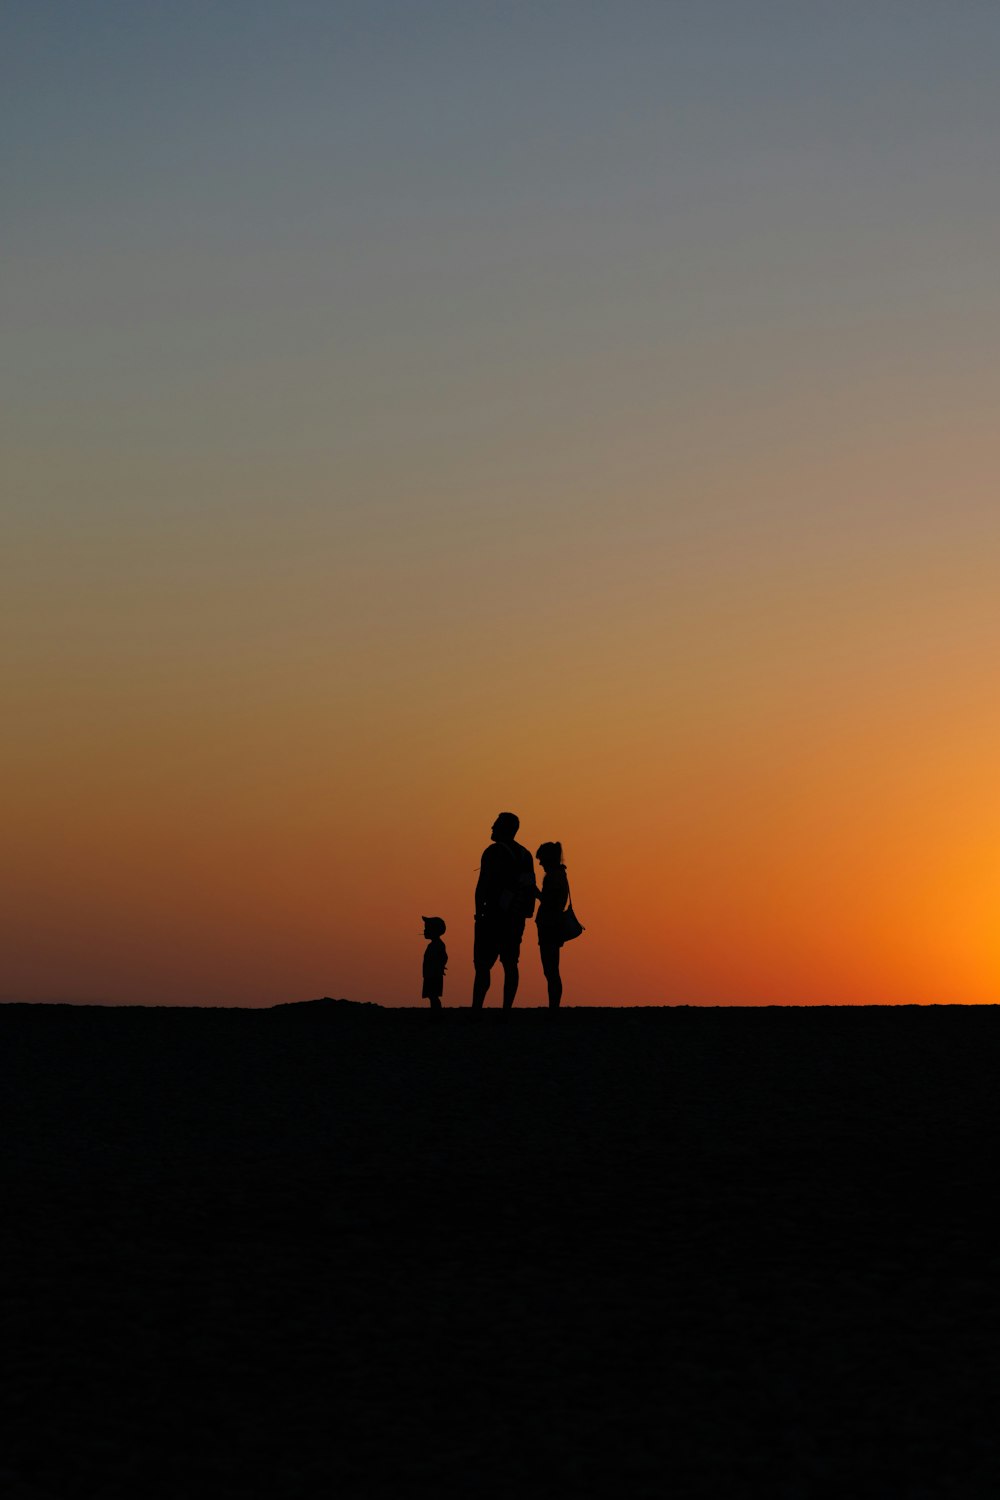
(435, 961)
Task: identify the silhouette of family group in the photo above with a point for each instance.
(506, 897)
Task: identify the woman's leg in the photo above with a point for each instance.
(550, 968)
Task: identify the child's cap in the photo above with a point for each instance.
(435, 924)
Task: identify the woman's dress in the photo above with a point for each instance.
(551, 905)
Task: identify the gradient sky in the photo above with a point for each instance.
(416, 410)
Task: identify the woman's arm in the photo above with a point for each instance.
(554, 894)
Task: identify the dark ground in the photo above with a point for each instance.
(304, 1251)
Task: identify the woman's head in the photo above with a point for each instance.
(549, 856)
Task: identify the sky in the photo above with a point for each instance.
(412, 412)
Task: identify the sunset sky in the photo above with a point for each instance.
(417, 410)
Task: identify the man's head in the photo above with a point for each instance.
(505, 828)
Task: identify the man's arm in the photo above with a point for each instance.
(526, 879)
(482, 885)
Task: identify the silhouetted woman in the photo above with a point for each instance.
(552, 899)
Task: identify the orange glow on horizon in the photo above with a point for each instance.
(623, 455)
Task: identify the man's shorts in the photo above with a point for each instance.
(497, 940)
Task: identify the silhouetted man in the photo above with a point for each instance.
(505, 898)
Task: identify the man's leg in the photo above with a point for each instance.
(510, 952)
(485, 950)
(480, 985)
(510, 980)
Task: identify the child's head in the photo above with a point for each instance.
(434, 927)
